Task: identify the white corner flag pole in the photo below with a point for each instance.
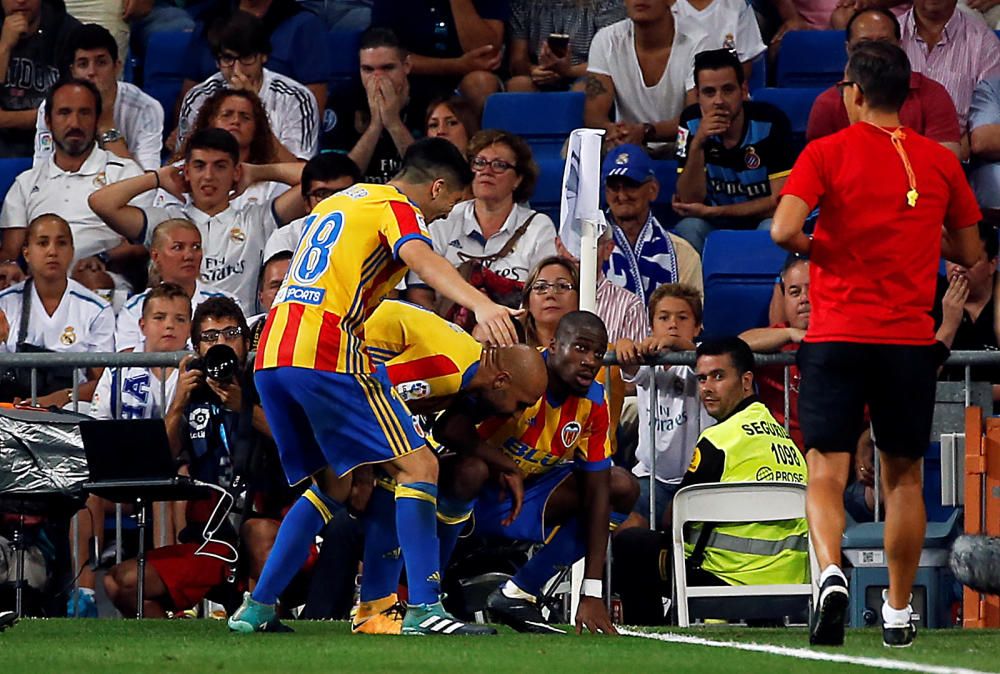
(581, 223)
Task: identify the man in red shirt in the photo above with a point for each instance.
(784, 336)
(928, 109)
(891, 202)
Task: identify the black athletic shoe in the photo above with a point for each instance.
(898, 636)
(520, 614)
(7, 619)
(827, 624)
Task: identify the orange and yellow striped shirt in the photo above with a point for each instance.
(550, 433)
(347, 260)
(425, 356)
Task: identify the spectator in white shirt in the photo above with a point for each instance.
(62, 315)
(241, 113)
(62, 183)
(131, 121)
(241, 54)
(642, 69)
(232, 239)
(729, 24)
(133, 393)
(176, 255)
(505, 176)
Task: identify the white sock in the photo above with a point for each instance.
(832, 570)
(895, 616)
(514, 592)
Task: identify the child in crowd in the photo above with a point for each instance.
(675, 312)
(132, 393)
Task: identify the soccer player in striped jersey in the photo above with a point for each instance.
(324, 403)
(430, 363)
(571, 491)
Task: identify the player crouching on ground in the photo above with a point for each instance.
(571, 492)
(206, 422)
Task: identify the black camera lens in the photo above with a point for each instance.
(221, 363)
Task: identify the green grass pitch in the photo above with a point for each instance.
(110, 646)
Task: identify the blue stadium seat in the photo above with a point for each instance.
(162, 76)
(739, 270)
(811, 58)
(545, 120)
(758, 77)
(547, 198)
(345, 60)
(666, 175)
(796, 103)
(9, 170)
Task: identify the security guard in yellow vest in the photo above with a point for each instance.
(746, 445)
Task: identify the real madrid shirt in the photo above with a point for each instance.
(291, 110)
(743, 172)
(139, 118)
(46, 188)
(83, 322)
(730, 24)
(232, 242)
(136, 389)
(127, 333)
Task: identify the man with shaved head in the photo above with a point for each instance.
(561, 449)
(432, 364)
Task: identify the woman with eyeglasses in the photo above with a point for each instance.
(496, 234)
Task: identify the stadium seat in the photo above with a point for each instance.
(10, 169)
(811, 58)
(666, 175)
(796, 103)
(545, 120)
(345, 60)
(162, 75)
(547, 198)
(739, 269)
(738, 502)
(758, 77)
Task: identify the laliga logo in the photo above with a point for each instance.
(569, 434)
(413, 390)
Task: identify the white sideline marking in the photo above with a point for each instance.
(802, 653)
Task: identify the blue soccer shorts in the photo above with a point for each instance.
(321, 418)
(530, 523)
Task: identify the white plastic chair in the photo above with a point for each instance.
(735, 502)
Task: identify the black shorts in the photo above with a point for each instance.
(897, 382)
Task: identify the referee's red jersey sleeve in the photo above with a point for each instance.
(807, 180)
(963, 211)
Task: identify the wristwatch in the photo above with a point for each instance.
(648, 132)
(110, 136)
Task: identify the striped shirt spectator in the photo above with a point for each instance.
(622, 312)
(965, 53)
(534, 20)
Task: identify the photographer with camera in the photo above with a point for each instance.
(216, 427)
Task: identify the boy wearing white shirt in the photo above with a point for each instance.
(131, 123)
(232, 240)
(675, 317)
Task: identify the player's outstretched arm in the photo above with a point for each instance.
(439, 274)
(591, 613)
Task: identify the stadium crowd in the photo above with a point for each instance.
(150, 229)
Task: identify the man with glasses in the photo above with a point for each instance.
(733, 154)
(241, 54)
(928, 108)
(202, 424)
(891, 204)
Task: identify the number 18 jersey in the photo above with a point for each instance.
(345, 263)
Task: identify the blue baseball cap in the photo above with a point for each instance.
(628, 161)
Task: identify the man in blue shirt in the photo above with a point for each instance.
(733, 154)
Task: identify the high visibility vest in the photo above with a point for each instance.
(757, 449)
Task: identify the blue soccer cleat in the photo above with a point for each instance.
(252, 616)
(433, 619)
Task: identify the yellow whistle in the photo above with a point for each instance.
(911, 198)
